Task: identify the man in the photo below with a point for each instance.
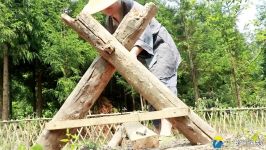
(155, 48)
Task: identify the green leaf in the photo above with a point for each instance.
(255, 137)
(75, 137)
(64, 140)
(22, 147)
(37, 147)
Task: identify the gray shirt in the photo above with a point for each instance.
(159, 54)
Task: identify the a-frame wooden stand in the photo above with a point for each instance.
(114, 55)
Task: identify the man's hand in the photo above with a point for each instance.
(136, 50)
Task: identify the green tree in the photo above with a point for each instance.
(260, 44)
(217, 60)
(47, 58)
(6, 40)
(61, 54)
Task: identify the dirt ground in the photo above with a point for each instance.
(229, 144)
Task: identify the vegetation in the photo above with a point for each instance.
(43, 59)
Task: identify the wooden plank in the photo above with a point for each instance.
(116, 139)
(96, 78)
(133, 117)
(152, 89)
(136, 131)
(140, 137)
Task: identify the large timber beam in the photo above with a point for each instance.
(96, 78)
(196, 130)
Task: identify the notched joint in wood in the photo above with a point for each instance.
(109, 48)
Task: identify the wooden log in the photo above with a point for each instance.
(140, 137)
(132, 117)
(116, 139)
(142, 79)
(96, 78)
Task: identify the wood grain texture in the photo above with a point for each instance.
(140, 137)
(147, 84)
(96, 77)
(132, 117)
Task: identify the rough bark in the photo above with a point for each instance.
(1, 90)
(96, 78)
(6, 100)
(140, 78)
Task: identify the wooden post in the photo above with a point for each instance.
(116, 139)
(196, 131)
(96, 78)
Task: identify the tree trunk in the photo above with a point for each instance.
(236, 86)
(39, 100)
(1, 90)
(193, 74)
(33, 90)
(95, 79)
(196, 130)
(6, 101)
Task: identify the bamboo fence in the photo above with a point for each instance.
(233, 121)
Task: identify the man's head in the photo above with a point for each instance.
(108, 7)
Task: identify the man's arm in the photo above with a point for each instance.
(136, 50)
